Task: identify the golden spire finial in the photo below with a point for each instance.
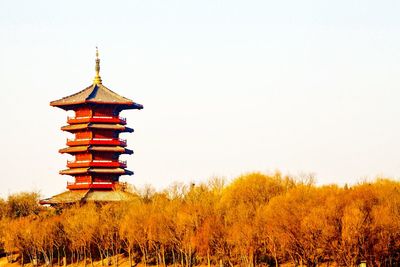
(97, 78)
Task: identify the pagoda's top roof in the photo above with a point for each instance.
(96, 93)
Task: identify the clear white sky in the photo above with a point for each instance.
(227, 87)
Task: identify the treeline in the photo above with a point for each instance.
(255, 220)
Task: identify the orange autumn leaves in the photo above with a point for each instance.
(257, 219)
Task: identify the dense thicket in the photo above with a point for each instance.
(255, 220)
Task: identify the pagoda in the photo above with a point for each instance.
(96, 145)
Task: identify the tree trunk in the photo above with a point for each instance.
(208, 258)
(84, 257)
(51, 256)
(276, 261)
(173, 257)
(30, 258)
(251, 260)
(130, 256)
(91, 258)
(144, 258)
(163, 256)
(101, 257)
(65, 257)
(182, 259)
(36, 259)
(187, 259)
(58, 256)
(46, 258)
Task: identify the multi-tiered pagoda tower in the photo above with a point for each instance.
(96, 146)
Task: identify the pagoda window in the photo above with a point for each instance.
(104, 134)
(103, 156)
(103, 178)
(103, 112)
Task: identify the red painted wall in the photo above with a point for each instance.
(83, 135)
(83, 156)
(83, 112)
(83, 179)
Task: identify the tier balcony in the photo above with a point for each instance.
(90, 185)
(97, 141)
(98, 119)
(97, 163)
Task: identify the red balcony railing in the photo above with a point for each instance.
(88, 185)
(96, 141)
(105, 119)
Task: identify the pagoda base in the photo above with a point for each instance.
(90, 195)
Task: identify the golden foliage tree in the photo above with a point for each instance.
(256, 220)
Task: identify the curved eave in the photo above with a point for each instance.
(74, 149)
(75, 171)
(117, 149)
(99, 102)
(133, 106)
(106, 126)
(65, 197)
(79, 149)
(119, 105)
(115, 127)
(129, 130)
